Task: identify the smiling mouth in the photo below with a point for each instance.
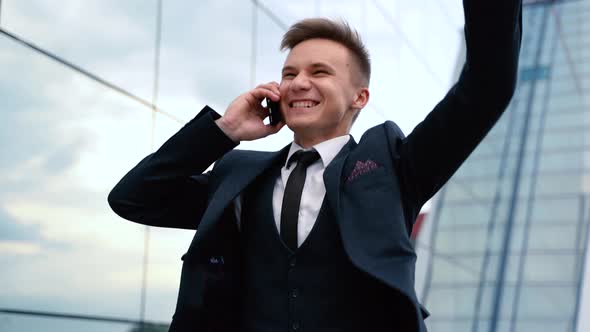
(303, 104)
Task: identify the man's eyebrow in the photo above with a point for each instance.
(287, 68)
(313, 65)
(320, 65)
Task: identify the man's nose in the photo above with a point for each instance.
(301, 82)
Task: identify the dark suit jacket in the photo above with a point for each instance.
(375, 210)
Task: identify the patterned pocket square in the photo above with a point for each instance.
(362, 167)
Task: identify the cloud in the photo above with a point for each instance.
(37, 152)
(12, 230)
(64, 155)
(18, 237)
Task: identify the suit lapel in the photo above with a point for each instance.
(333, 174)
(252, 167)
(232, 185)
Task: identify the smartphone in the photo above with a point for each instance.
(274, 111)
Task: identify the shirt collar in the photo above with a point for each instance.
(327, 149)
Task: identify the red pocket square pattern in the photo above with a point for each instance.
(362, 167)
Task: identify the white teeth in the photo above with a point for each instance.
(306, 103)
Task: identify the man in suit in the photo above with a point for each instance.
(315, 237)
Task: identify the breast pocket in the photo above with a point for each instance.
(374, 179)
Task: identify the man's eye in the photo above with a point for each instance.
(288, 75)
(320, 72)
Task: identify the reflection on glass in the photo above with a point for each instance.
(528, 237)
(17, 323)
(113, 39)
(67, 150)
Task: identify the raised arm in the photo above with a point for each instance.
(439, 144)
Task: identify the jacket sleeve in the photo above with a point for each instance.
(436, 148)
(168, 188)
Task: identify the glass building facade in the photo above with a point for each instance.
(507, 239)
(88, 88)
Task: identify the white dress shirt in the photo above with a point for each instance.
(314, 188)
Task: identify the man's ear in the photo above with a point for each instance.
(361, 98)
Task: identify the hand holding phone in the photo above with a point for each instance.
(244, 118)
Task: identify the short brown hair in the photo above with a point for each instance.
(338, 31)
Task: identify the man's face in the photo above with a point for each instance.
(319, 96)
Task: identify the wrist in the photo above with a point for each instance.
(227, 128)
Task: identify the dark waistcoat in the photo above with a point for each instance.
(315, 288)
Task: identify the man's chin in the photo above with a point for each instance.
(299, 125)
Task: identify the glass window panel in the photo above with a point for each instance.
(269, 60)
(353, 10)
(561, 161)
(542, 326)
(556, 140)
(551, 237)
(547, 47)
(534, 122)
(72, 141)
(562, 83)
(524, 190)
(206, 54)
(516, 238)
(552, 184)
(564, 119)
(112, 39)
(487, 297)
(556, 210)
(515, 149)
(480, 168)
(565, 103)
(457, 301)
(497, 215)
(475, 192)
(491, 271)
(506, 304)
(450, 269)
(489, 153)
(452, 302)
(483, 325)
(547, 302)
(20, 323)
(469, 240)
(550, 268)
(448, 326)
(395, 58)
(503, 325)
(290, 12)
(475, 214)
(457, 194)
(579, 54)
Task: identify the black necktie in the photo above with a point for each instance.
(292, 197)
